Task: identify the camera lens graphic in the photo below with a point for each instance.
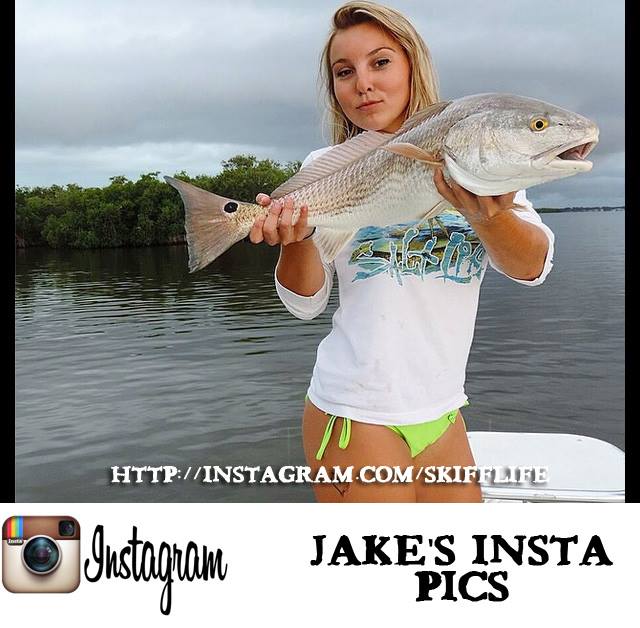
(66, 528)
(41, 555)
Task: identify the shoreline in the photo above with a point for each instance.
(182, 240)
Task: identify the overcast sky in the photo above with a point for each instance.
(112, 87)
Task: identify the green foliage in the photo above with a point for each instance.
(133, 213)
(243, 176)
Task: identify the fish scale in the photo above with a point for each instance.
(490, 144)
(380, 190)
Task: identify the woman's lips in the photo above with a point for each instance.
(369, 105)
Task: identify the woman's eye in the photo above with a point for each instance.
(382, 62)
(343, 73)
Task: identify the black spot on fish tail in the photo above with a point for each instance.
(230, 207)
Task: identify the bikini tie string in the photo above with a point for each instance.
(345, 435)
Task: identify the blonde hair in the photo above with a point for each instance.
(424, 82)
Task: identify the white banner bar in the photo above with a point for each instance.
(488, 565)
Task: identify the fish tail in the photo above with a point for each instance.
(212, 223)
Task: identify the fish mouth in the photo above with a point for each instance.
(569, 156)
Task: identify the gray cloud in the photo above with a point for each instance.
(124, 88)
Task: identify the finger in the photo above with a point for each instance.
(302, 226)
(490, 204)
(467, 199)
(506, 201)
(255, 235)
(286, 230)
(270, 229)
(263, 199)
(443, 188)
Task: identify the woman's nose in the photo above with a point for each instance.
(364, 83)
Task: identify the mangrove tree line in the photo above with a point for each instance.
(132, 213)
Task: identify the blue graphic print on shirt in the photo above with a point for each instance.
(445, 245)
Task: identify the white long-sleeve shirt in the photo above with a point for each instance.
(398, 349)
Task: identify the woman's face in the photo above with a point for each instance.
(369, 66)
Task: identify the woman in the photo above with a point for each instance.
(389, 379)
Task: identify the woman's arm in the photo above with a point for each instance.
(302, 306)
(516, 247)
(299, 267)
(303, 282)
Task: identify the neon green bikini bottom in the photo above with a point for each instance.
(417, 436)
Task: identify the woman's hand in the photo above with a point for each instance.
(516, 246)
(276, 227)
(476, 209)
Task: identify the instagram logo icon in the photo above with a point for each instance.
(41, 554)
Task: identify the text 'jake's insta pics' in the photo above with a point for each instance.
(41, 554)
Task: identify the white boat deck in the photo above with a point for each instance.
(579, 468)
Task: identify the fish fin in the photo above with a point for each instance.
(210, 230)
(438, 208)
(351, 150)
(330, 242)
(333, 160)
(450, 154)
(413, 152)
(422, 115)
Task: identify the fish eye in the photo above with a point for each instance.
(539, 123)
(230, 207)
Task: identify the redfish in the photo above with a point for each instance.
(490, 144)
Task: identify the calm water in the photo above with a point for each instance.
(122, 358)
